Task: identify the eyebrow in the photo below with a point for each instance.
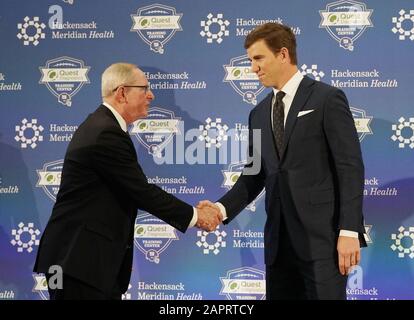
(258, 56)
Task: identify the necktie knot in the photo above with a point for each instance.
(280, 95)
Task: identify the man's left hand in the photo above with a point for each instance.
(349, 253)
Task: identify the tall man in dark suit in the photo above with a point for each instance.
(90, 232)
(311, 167)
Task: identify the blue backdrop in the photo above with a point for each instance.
(53, 54)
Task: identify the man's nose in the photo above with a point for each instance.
(150, 95)
(254, 68)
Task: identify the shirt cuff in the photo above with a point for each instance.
(222, 210)
(347, 233)
(194, 219)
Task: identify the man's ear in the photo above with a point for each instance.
(285, 54)
(119, 95)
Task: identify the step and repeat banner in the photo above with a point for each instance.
(53, 54)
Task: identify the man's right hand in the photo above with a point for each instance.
(209, 216)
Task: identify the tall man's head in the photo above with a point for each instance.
(125, 88)
(272, 49)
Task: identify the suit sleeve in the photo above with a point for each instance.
(250, 182)
(115, 160)
(345, 148)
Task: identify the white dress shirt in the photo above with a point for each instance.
(289, 89)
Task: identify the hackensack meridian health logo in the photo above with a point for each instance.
(244, 284)
(152, 236)
(346, 21)
(156, 130)
(25, 237)
(127, 294)
(404, 133)
(30, 31)
(156, 25)
(312, 72)
(213, 133)
(50, 177)
(232, 174)
(240, 76)
(403, 25)
(214, 28)
(404, 242)
(64, 77)
(211, 246)
(28, 133)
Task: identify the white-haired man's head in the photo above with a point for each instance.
(117, 74)
(125, 88)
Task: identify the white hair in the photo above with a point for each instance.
(117, 74)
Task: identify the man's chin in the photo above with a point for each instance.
(141, 116)
(265, 83)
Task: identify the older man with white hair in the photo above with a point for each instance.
(90, 232)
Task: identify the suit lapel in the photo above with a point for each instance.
(301, 96)
(267, 122)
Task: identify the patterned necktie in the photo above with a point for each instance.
(278, 121)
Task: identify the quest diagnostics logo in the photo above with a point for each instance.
(156, 130)
(242, 79)
(153, 236)
(40, 286)
(244, 284)
(346, 21)
(156, 25)
(64, 77)
(362, 122)
(367, 234)
(232, 174)
(49, 178)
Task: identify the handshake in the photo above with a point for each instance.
(209, 216)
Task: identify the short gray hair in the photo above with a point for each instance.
(115, 75)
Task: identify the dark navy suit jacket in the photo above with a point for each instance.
(90, 231)
(317, 183)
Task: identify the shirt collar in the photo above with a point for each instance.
(118, 117)
(291, 86)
